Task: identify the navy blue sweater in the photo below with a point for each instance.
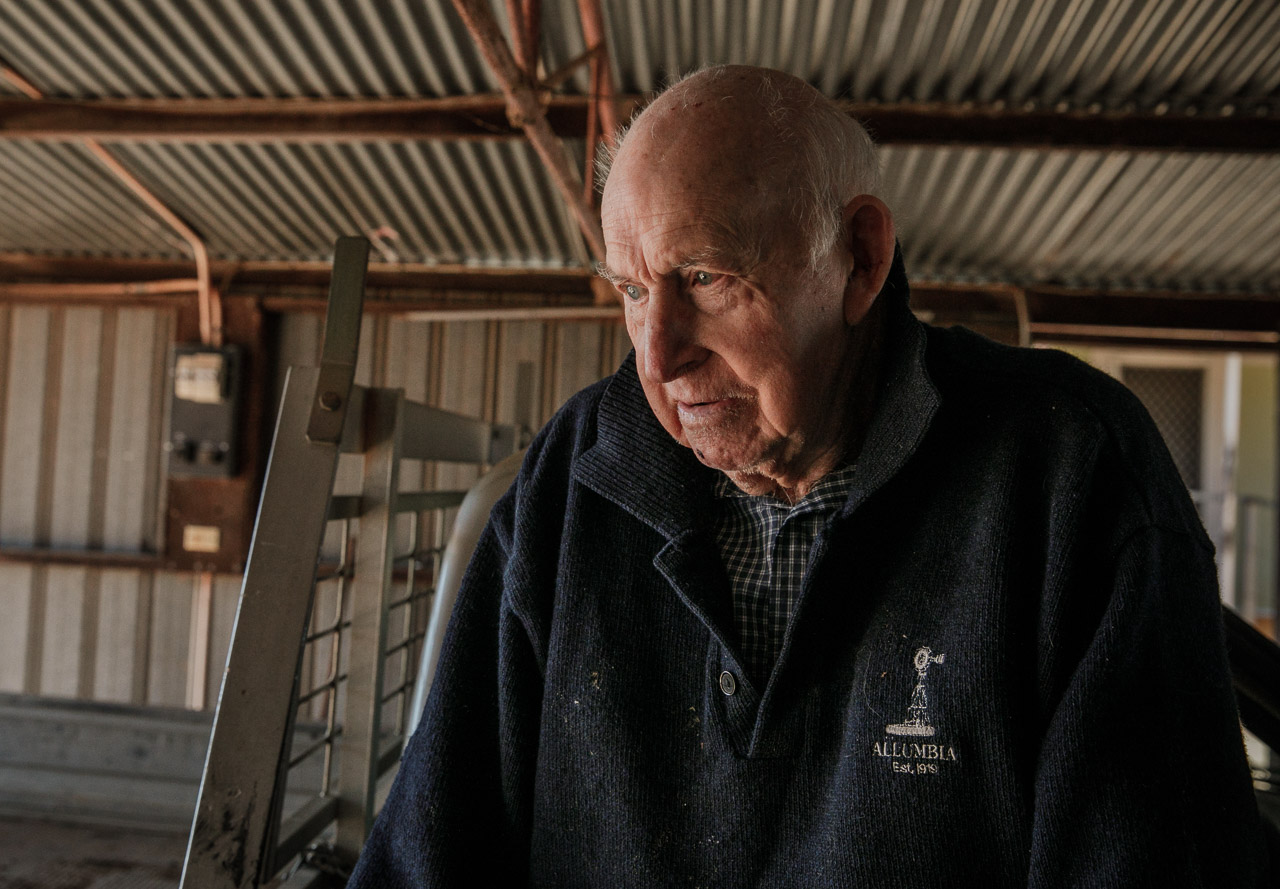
(1006, 667)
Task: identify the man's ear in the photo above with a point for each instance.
(869, 237)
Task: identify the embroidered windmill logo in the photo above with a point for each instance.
(916, 724)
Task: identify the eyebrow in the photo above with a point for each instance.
(731, 258)
(609, 274)
(713, 256)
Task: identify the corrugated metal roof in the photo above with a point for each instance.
(1106, 219)
(1085, 217)
(428, 202)
(432, 202)
(57, 199)
(135, 48)
(1079, 52)
(1075, 52)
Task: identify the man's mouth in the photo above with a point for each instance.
(695, 411)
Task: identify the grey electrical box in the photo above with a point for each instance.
(204, 408)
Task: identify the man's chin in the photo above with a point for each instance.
(746, 474)
(754, 483)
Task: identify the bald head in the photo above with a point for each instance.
(802, 156)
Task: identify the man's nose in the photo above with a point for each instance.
(671, 342)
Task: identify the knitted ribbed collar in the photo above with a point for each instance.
(636, 464)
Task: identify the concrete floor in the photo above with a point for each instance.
(47, 855)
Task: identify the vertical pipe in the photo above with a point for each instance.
(531, 35)
(1230, 459)
(1275, 539)
(515, 24)
(593, 135)
(605, 95)
(201, 627)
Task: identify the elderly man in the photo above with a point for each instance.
(811, 594)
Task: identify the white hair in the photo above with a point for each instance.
(837, 158)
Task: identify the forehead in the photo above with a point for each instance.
(657, 229)
(688, 198)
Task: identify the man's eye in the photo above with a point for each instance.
(703, 278)
(633, 292)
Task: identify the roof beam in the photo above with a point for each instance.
(1214, 320)
(934, 124)
(20, 271)
(1166, 318)
(485, 117)
(271, 120)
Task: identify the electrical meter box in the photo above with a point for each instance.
(204, 408)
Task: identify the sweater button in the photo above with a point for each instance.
(728, 684)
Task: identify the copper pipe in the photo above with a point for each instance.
(94, 289)
(593, 137)
(210, 332)
(21, 83)
(515, 24)
(557, 78)
(1023, 311)
(525, 111)
(531, 34)
(199, 640)
(210, 335)
(594, 37)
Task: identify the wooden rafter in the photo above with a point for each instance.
(525, 110)
(486, 117)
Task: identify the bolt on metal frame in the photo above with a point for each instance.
(321, 674)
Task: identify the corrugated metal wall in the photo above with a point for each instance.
(81, 424)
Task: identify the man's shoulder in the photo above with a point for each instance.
(1070, 419)
(1032, 381)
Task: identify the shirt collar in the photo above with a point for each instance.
(827, 493)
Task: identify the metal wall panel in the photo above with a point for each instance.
(134, 449)
(82, 405)
(121, 649)
(24, 384)
(15, 596)
(83, 400)
(63, 640)
(226, 599)
(72, 489)
(170, 649)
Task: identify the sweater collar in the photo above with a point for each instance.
(638, 465)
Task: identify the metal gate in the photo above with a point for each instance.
(316, 697)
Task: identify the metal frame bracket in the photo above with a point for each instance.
(341, 341)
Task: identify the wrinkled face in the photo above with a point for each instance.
(740, 345)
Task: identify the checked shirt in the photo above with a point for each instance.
(765, 545)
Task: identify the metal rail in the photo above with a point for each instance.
(334, 650)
